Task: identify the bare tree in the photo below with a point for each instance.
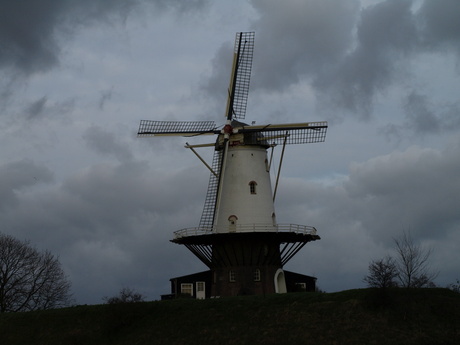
(382, 273)
(29, 279)
(412, 262)
(126, 295)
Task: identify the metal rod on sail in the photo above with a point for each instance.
(271, 157)
(201, 159)
(233, 85)
(221, 178)
(279, 169)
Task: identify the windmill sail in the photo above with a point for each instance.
(293, 133)
(149, 128)
(241, 75)
(207, 217)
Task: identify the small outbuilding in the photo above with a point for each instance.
(199, 285)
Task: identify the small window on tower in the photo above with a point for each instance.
(231, 276)
(252, 187)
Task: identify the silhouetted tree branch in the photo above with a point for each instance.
(382, 273)
(412, 262)
(29, 279)
(126, 295)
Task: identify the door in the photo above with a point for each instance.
(280, 282)
(200, 290)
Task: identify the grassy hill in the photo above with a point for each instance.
(422, 316)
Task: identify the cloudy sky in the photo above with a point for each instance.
(76, 77)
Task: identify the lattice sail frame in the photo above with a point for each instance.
(301, 133)
(243, 74)
(149, 128)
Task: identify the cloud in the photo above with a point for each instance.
(416, 189)
(27, 34)
(36, 108)
(105, 96)
(424, 117)
(439, 24)
(110, 223)
(106, 143)
(386, 37)
(108, 204)
(17, 176)
(43, 109)
(350, 56)
(30, 31)
(216, 85)
(300, 39)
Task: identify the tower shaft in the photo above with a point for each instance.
(246, 191)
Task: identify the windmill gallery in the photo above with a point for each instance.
(238, 237)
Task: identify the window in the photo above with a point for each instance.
(252, 187)
(257, 275)
(300, 287)
(231, 276)
(186, 289)
(232, 219)
(199, 286)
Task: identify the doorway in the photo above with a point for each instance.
(200, 290)
(280, 281)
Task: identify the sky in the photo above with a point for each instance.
(76, 77)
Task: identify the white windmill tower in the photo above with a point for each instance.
(238, 236)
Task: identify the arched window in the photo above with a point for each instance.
(252, 187)
(232, 219)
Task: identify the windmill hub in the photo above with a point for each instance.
(228, 129)
(238, 236)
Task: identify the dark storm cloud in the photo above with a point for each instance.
(42, 108)
(349, 55)
(36, 108)
(27, 39)
(293, 40)
(440, 24)
(424, 117)
(30, 31)
(386, 34)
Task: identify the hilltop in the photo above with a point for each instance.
(365, 316)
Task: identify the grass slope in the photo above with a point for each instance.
(422, 316)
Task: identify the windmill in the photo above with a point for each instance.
(238, 236)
